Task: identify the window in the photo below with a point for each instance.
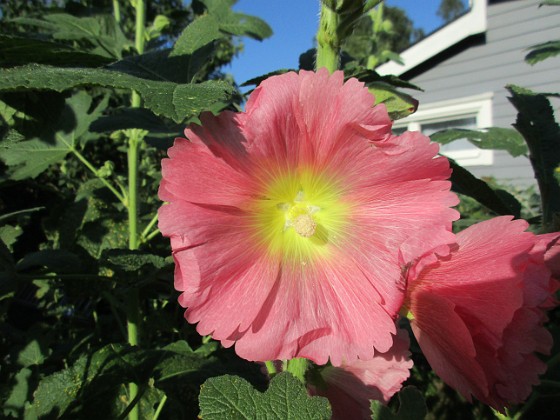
(473, 112)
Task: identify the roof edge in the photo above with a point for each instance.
(472, 23)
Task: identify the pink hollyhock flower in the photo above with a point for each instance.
(350, 387)
(478, 312)
(289, 222)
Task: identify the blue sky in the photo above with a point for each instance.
(294, 23)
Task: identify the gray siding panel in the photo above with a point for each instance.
(513, 26)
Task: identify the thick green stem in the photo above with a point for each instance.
(133, 301)
(297, 367)
(133, 145)
(328, 42)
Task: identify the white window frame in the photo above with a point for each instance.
(477, 106)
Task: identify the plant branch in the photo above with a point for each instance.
(92, 168)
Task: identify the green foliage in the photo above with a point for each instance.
(493, 138)
(450, 9)
(536, 123)
(29, 158)
(66, 270)
(101, 32)
(230, 397)
(542, 51)
(411, 407)
(379, 35)
(235, 23)
(499, 201)
(386, 90)
(172, 100)
(19, 50)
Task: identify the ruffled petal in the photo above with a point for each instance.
(478, 312)
(351, 386)
(193, 173)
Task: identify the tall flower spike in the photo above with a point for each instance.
(478, 312)
(290, 222)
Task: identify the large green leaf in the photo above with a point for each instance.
(200, 32)
(29, 158)
(499, 201)
(92, 381)
(543, 51)
(163, 65)
(385, 90)
(235, 23)
(536, 122)
(399, 104)
(493, 138)
(173, 100)
(231, 397)
(101, 31)
(17, 51)
(411, 407)
(132, 260)
(19, 394)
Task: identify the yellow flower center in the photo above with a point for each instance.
(299, 216)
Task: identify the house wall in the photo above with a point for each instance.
(487, 63)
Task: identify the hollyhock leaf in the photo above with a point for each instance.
(28, 158)
(100, 31)
(399, 104)
(201, 31)
(9, 235)
(173, 100)
(17, 51)
(132, 260)
(499, 201)
(32, 354)
(125, 118)
(537, 124)
(542, 51)
(492, 138)
(236, 23)
(59, 260)
(411, 406)
(231, 397)
(163, 65)
(14, 404)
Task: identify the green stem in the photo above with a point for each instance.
(133, 300)
(159, 407)
(148, 227)
(328, 42)
(88, 165)
(117, 11)
(133, 145)
(271, 369)
(297, 367)
(152, 235)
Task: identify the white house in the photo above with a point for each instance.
(463, 68)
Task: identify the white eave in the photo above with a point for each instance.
(471, 23)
